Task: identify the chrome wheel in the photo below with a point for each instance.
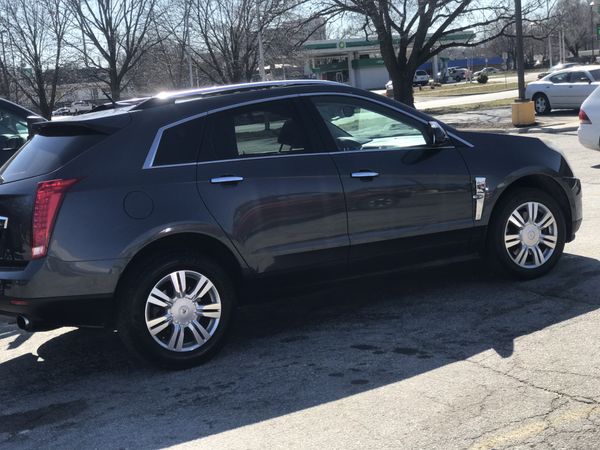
(183, 311)
(531, 235)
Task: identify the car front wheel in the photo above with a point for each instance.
(175, 309)
(541, 104)
(527, 234)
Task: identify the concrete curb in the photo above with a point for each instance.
(524, 130)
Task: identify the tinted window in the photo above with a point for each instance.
(560, 78)
(360, 125)
(264, 129)
(13, 130)
(179, 144)
(579, 77)
(596, 74)
(43, 154)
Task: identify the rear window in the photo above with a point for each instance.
(43, 154)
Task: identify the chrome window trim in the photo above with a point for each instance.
(149, 161)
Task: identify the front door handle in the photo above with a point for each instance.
(228, 179)
(364, 174)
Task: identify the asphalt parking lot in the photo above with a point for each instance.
(451, 357)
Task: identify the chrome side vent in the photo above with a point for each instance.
(480, 188)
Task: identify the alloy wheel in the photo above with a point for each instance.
(540, 104)
(183, 311)
(531, 235)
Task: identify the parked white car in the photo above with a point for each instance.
(563, 89)
(589, 121)
(486, 71)
(81, 107)
(420, 78)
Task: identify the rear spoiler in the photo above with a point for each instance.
(100, 125)
(31, 121)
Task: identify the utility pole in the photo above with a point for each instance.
(189, 48)
(592, 27)
(520, 58)
(261, 51)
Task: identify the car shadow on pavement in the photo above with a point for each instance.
(286, 356)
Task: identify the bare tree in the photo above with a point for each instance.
(410, 32)
(573, 16)
(36, 33)
(226, 32)
(119, 31)
(172, 55)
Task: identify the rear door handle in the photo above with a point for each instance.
(364, 174)
(228, 179)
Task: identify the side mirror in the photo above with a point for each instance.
(438, 134)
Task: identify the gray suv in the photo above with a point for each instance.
(152, 216)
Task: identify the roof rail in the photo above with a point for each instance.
(191, 94)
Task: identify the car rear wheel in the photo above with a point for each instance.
(541, 104)
(527, 234)
(174, 311)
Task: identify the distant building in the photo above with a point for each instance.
(358, 62)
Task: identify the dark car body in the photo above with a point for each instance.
(262, 216)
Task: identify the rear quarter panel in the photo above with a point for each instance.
(117, 208)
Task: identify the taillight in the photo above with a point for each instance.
(48, 198)
(583, 118)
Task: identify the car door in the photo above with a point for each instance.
(559, 90)
(404, 195)
(581, 87)
(279, 199)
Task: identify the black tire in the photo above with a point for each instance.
(134, 292)
(458, 78)
(498, 255)
(541, 104)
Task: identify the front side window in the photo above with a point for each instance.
(359, 125)
(270, 128)
(560, 78)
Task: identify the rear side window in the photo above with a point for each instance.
(43, 154)
(579, 77)
(179, 144)
(269, 128)
(596, 74)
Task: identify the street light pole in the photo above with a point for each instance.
(592, 26)
(520, 58)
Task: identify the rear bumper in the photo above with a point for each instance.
(588, 136)
(60, 312)
(77, 293)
